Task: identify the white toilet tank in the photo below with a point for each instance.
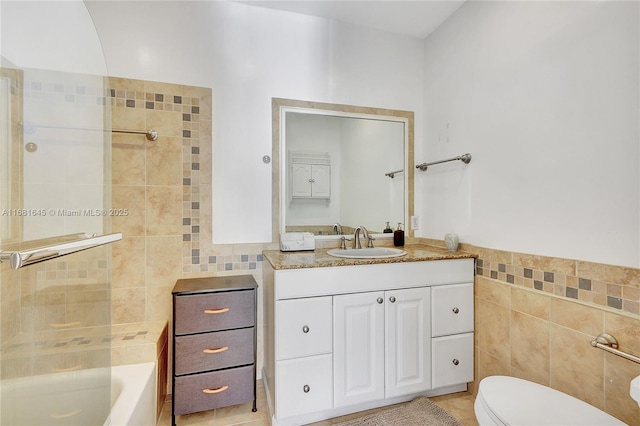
(510, 401)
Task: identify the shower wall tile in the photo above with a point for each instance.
(128, 305)
(616, 388)
(128, 159)
(162, 167)
(163, 210)
(129, 266)
(164, 261)
(132, 199)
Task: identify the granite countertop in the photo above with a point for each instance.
(320, 259)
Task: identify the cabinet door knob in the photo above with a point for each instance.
(305, 329)
(306, 388)
(455, 362)
(380, 300)
(456, 310)
(392, 299)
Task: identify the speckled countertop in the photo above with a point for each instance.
(320, 259)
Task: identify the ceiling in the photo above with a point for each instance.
(415, 18)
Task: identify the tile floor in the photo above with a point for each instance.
(460, 405)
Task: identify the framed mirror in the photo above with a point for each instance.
(340, 164)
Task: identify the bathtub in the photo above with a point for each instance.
(118, 396)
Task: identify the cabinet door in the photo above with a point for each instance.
(358, 347)
(301, 179)
(321, 181)
(408, 341)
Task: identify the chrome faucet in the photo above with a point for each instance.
(365, 234)
(337, 229)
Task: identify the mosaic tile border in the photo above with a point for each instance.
(625, 298)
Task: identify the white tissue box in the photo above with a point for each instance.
(297, 241)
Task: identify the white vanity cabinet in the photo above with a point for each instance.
(343, 339)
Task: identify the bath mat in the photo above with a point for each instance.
(419, 412)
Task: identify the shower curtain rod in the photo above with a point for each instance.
(465, 158)
(151, 134)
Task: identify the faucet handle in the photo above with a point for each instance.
(370, 244)
(343, 242)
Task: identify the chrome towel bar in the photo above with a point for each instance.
(465, 158)
(151, 134)
(609, 343)
(393, 174)
(35, 251)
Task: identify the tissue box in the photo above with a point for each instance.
(297, 241)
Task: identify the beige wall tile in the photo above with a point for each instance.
(578, 317)
(493, 291)
(530, 345)
(544, 263)
(131, 198)
(128, 305)
(576, 367)
(625, 329)
(128, 159)
(164, 261)
(168, 124)
(164, 210)
(530, 302)
(124, 118)
(609, 273)
(164, 162)
(159, 303)
(126, 84)
(128, 267)
(618, 374)
(492, 329)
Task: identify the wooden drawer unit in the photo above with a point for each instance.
(214, 343)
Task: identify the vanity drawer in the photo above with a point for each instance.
(452, 360)
(304, 327)
(214, 311)
(304, 385)
(214, 351)
(206, 391)
(451, 309)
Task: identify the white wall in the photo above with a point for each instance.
(248, 55)
(545, 96)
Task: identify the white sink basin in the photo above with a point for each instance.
(367, 253)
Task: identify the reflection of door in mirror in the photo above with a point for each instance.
(337, 172)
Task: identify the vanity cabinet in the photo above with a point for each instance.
(214, 343)
(343, 339)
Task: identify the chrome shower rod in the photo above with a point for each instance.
(151, 134)
(465, 158)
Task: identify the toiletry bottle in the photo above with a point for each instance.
(388, 229)
(398, 236)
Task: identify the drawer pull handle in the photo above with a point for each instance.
(455, 362)
(216, 311)
(216, 390)
(392, 299)
(456, 310)
(216, 350)
(379, 300)
(306, 388)
(305, 329)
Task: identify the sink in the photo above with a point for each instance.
(367, 253)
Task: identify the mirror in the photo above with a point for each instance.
(340, 164)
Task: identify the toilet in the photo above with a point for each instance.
(509, 401)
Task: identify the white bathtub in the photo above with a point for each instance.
(118, 396)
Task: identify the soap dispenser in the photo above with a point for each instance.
(398, 236)
(388, 229)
